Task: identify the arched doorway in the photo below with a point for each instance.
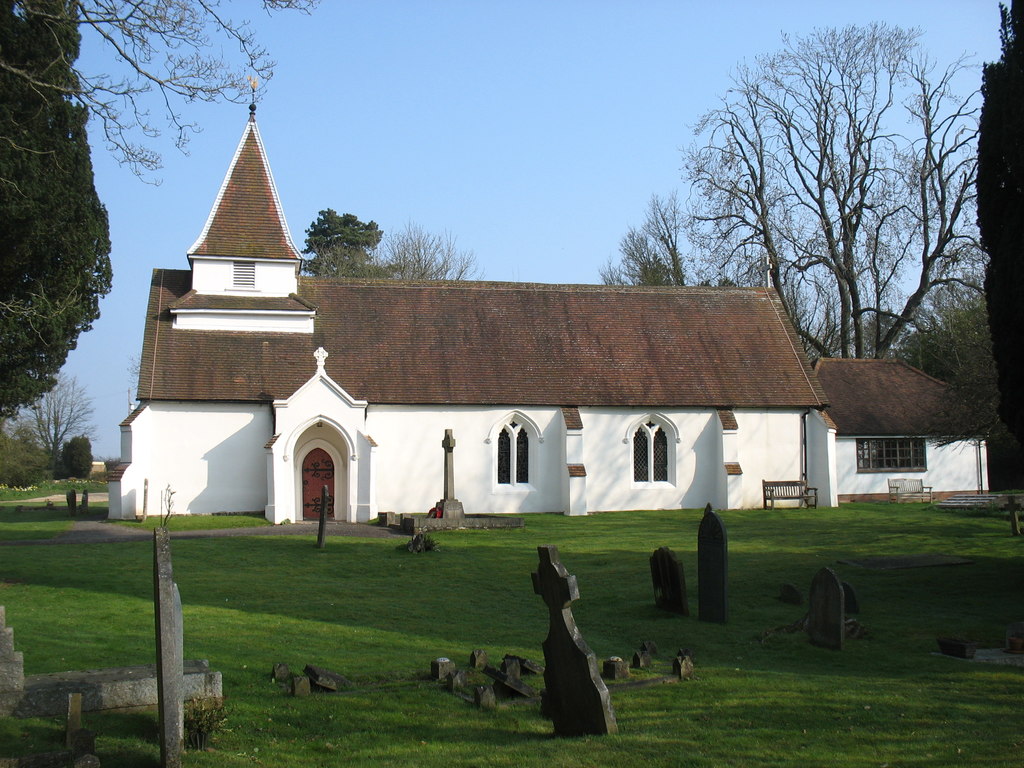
(317, 471)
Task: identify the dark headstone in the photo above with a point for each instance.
(649, 647)
(484, 698)
(1013, 508)
(527, 666)
(684, 652)
(441, 668)
(324, 679)
(72, 501)
(712, 568)
(478, 659)
(615, 668)
(826, 618)
(84, 506)
(576, 697)
(790, 594)
(507, 686)
(850, 602)
(281, 673)
(510, 666)
(641, 660)
(300, 686)
(82, 742)
(170, 681)
(669, 582)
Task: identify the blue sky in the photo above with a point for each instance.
(534, 132)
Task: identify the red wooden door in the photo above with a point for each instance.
(317, 471)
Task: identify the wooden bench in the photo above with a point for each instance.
(788, 490)
(903, 489)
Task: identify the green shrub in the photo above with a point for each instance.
(76, 457)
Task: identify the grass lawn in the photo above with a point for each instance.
(197, 522)
(34, 521)
(379, 615)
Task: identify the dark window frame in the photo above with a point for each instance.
(892, 454)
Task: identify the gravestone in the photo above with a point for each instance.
(441, 668)
(300, 686)
(478, 659)
(649, 647)
(850, 602)
(615, 668)
(170, 681)
(451, 507)
(669, 582)
(74, 718)
(484, 697)
(12, 670)
(84, 506)
(790, 594)
(826, 618)
(712, 568)
(1013, 510)
(576, 698)
(641, 660)
(72, 501)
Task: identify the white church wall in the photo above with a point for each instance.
(695, 461)
(821, 459)
(771, 448)
(410, 461)
(950, 468)
(211, 455)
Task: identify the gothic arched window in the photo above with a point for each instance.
(513, 466)
(650, 454)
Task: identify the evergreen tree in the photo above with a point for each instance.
(76, 458)
(342, 246)
(1001, 212)
(54, 242)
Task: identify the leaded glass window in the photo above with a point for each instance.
(522, 457)
(513, 466)
(660, 456)
(641, 461)
(898, 453)
(650, 454)
(504, 457)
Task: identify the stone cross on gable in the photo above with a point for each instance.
(321, 358)
(575, 698)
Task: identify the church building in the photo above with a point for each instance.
(258, 386)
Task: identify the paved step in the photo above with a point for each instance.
(970, 501)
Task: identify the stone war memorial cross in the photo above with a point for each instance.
(450, 506)
(576, 698)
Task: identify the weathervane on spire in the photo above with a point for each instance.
(253, 84)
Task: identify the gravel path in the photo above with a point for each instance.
(95, 529)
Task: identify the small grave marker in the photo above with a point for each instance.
(576, 698)
(712, 568)
(669, 582)
(615, 668)
(478, 659)
(826, 619)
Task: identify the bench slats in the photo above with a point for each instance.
(788, 490)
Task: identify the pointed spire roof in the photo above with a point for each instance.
(247, 220)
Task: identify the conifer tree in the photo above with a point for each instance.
(54, 242)
(1001, 212)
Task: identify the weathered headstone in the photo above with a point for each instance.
(682, 667)
(300, 686)
(281, 673)
(1013, 510)
(526, 666)
(441, 668)
(451, 508)
(455, 680)
(12, 670)
(615, 668)
(506, 685)
(790, 594)
(74, 718)
(72, 501)
(576, 698)
(169, 662)
(850, 602)
(649, 647)
(478, 659)
(324, 679)
(826, 618)
(669, 582)
(712, 568)
(641, 660)
(84, 506)
(484, 697)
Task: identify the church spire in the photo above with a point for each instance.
(247, 220)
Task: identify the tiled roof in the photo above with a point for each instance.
(576, 470)
(572, 417)
(193, 300)
(728, 419)
(880, 397)
(733, 468)
(495, 343)
(247, 220)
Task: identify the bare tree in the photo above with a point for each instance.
(415, 254)
(62, 413)
(650, 254)
(171, 48)
(841, 173)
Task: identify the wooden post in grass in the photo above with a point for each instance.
(170, 680)
(321, 531)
